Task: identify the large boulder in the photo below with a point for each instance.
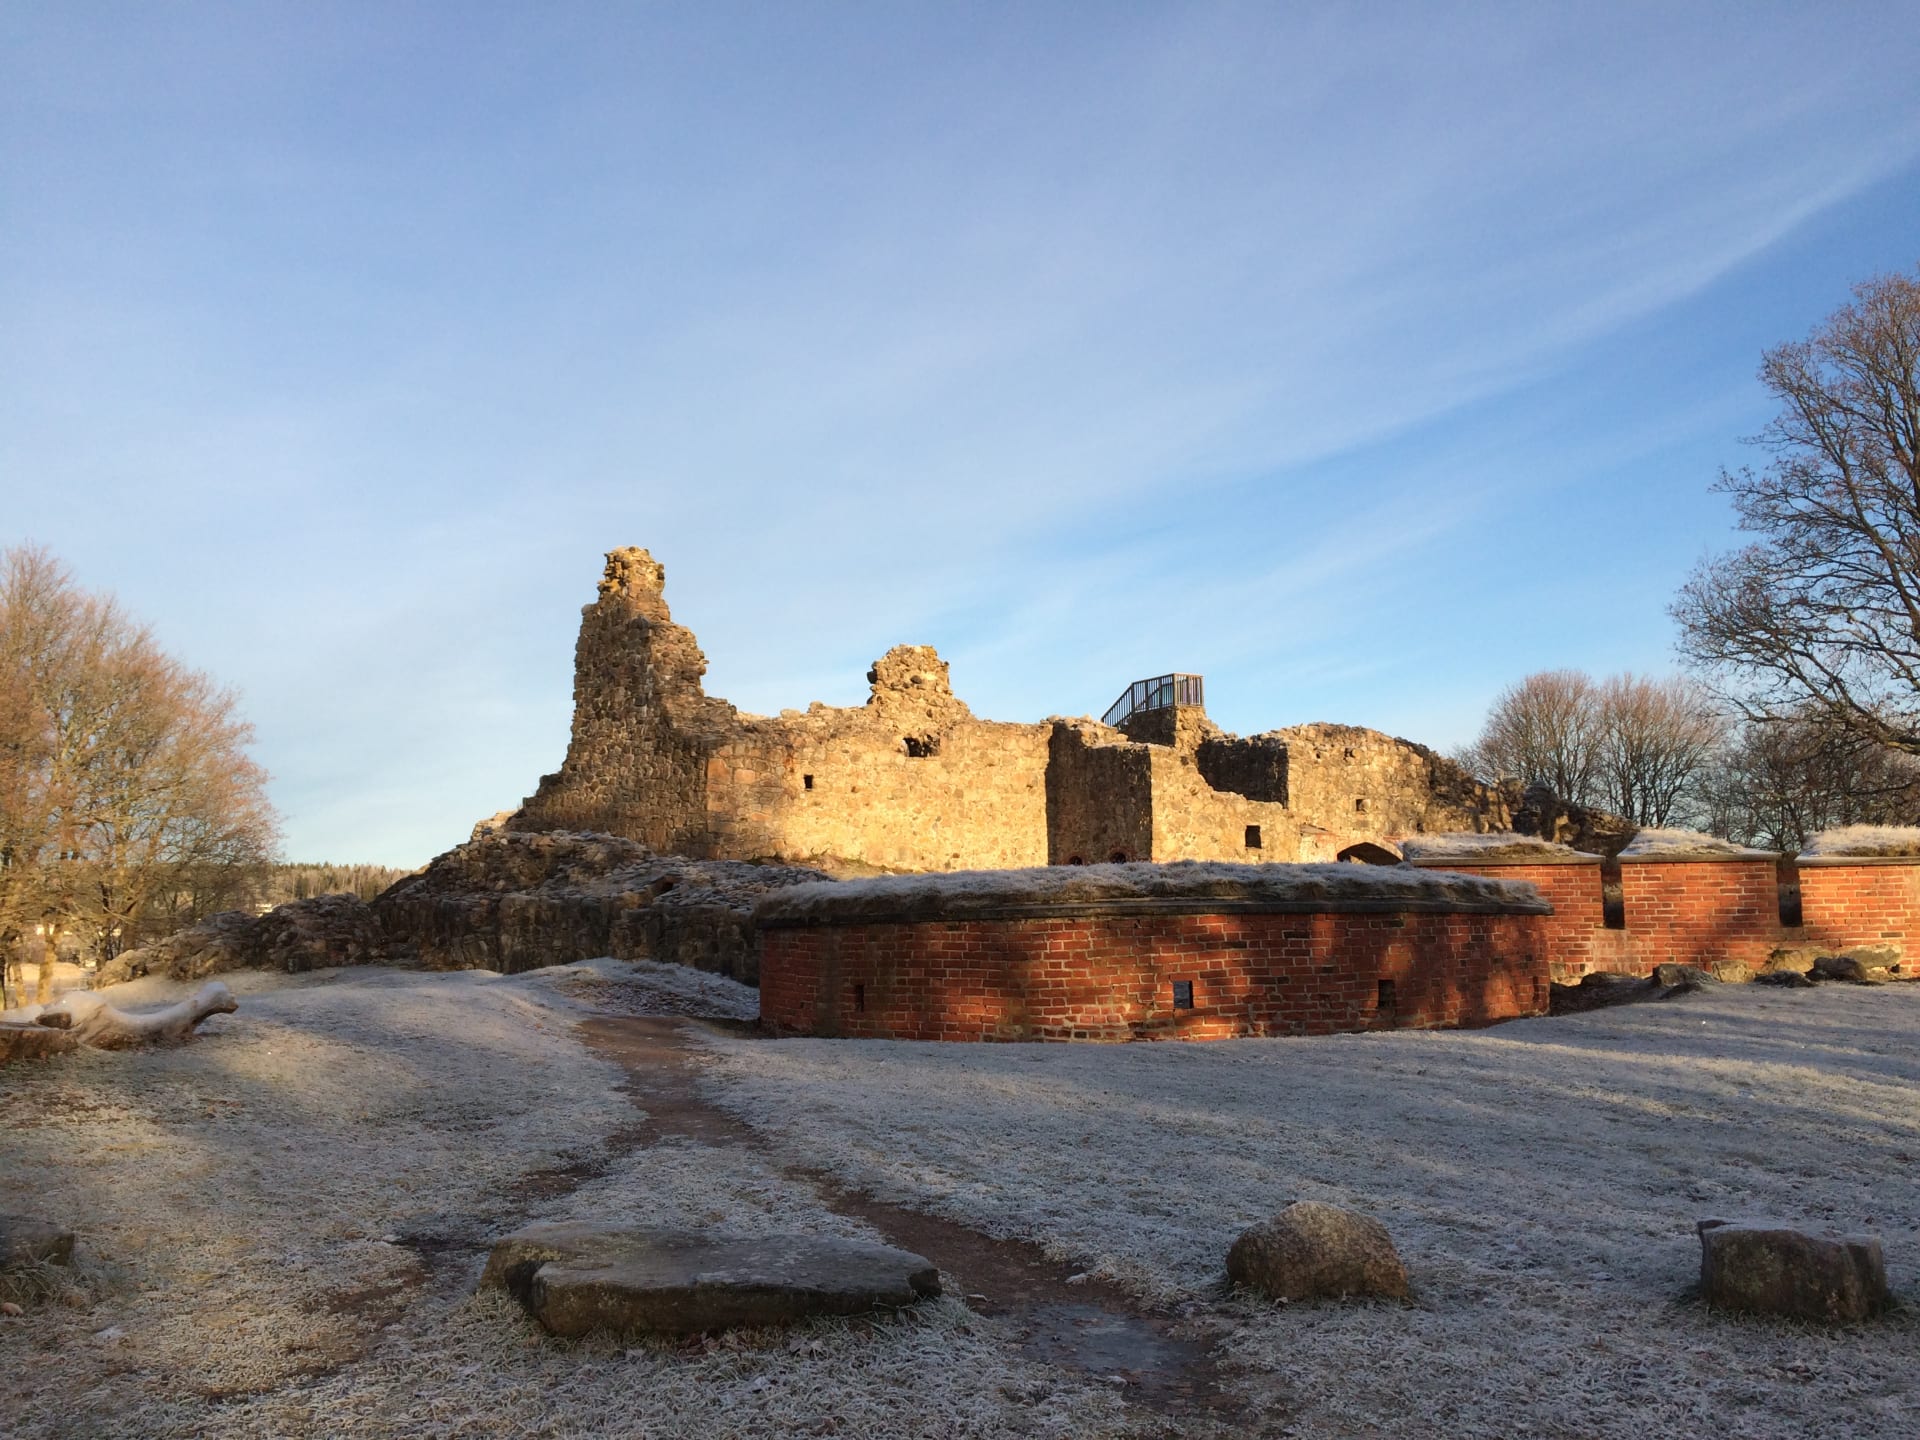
(575, 1278)
(1311, 1251)
(1770, 1269)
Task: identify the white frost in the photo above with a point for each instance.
(1686, 845)
(1465, 847)
(960, 891)
(1866, 841)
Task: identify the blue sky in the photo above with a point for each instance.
(1362, 358)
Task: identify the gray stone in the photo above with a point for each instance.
(1693, 976)
(581, 1277)
(1771, 1269)
(1850, 968)
(1312, 1251)
(25, 1240)
(1786, 979)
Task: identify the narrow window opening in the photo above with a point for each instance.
(1253, 837)
(859, 996)
(1360, 807)
(1183, 994)
(1386, 1001)
(806, 782)
(1613, 896)
(1787, 881)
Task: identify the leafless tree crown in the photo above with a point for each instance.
(128, 803)
(1819, 620)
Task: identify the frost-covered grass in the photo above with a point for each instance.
(281, 1225)
(960, 892)
(1866, 841)
(1542, 1179)
(1499, 845)
(1687, 845)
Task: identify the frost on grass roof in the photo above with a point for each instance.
(1191, 885)
(1465, 847)
(1866, 842)
(1653, 844)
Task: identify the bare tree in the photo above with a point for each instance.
(1819, 621)
(124, 778)
(1543, 731)
(1656, 741)
(1780, 784)
(1634, 746)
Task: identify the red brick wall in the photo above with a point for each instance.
(1576, 937)
(1111, 977)
(1859, 903)
(1694, 912)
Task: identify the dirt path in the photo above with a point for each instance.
(1165, 1359)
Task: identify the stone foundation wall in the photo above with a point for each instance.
(1114, 977)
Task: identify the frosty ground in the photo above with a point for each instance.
(282, 1223)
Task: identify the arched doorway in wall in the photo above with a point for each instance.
(1368, 853)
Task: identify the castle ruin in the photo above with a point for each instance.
(914, 781)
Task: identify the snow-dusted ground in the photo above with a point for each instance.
(237, 1199)
(1542, 1179)
(236, 1196)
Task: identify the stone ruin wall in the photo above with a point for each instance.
(914, 781)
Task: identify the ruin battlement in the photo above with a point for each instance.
(913, 780)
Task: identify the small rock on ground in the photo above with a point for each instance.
(27, 1240)
(1770, 1269)
(1312, 1251)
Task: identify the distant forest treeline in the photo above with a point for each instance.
(282, 883)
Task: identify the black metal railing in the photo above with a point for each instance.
(1163, 692)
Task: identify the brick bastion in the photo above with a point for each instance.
(1186, 951)
(1691, 900)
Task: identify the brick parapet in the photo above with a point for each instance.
(1846, 901)
(1576, 936)
(1112, 977)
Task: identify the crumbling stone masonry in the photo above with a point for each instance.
(913, 781)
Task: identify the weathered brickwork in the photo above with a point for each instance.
(1701, 912)
(1710, 912)
(1114, 977)
(1860, 901)
(914, 781)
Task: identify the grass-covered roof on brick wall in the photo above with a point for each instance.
(1190, 886)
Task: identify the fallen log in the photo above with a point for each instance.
(92, 1021)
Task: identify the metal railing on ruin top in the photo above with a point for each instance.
(1163, 692)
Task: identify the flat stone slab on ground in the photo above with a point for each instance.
(1767, 1268)
(27, 1240)
(32, 1042)
(582, 1277)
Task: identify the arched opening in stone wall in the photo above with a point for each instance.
(1119, 857)
(1075, 860)
(1367, 853)
(922, 746)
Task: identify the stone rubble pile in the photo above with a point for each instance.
(506, 901)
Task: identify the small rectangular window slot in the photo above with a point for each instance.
(1360, 807)
(1253, 837)
(806, 782)
(1183, 994)
(1386, 1003)
(859, 997)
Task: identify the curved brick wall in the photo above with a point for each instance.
(1107, 969)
